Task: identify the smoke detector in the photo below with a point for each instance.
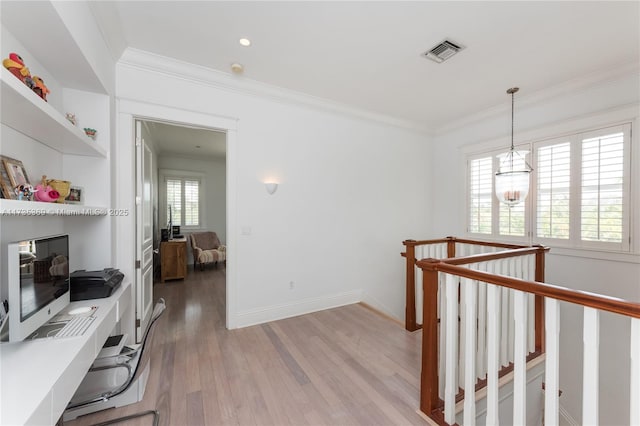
(237, 68)
(443, 51)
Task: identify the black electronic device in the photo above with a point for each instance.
(94, 284)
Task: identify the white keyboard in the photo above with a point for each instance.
(75, 327)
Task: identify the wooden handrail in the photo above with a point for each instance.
(583, 298)
(414, 243)
(483, 257)
(488, 243)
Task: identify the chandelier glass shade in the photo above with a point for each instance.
(512, 177)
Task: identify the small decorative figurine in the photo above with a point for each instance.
(71, 118)
(45, 192)
(91, 132)
(24, 192)
(39, 87)
(15, 65)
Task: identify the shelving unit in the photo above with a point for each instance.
(27, 113)
(37, 208)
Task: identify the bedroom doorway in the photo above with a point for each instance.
(181, 187)
(125, 191)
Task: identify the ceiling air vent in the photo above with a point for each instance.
(443, 51)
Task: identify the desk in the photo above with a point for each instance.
(39, 377)
(173, 259)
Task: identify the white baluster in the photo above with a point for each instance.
(493, 353)
(552, 366)
(470, 291)
(530, 276)
(512, 268)
(463, 333)
(520, 358)
(591, 338)
(451, 364)
(482, 330)
(505, 309)
(441, 337)
(634, 416)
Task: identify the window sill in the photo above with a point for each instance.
(596, 254)
(587, 253)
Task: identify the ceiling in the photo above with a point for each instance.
(188, 142)
(368, 54)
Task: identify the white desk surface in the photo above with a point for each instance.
(39, 377)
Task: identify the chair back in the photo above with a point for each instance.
(147, 340)
(205, 240)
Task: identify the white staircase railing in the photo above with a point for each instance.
(470, 280)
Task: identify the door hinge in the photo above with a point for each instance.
(137, 264)
(137, 322)
(138, 141)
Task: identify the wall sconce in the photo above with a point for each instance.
(271, 187)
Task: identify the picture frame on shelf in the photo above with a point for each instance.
(16, 172)
(12, 174)
(76, 195)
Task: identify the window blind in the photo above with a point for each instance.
(174, 199)
(602, 188)
(191, 203)
(553, 168)
(480, 195)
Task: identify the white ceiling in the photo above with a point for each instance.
(368, 54)
(173, 140)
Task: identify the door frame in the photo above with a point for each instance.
(124, 170)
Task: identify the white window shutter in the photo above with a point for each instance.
(480, 195)
(553, 171)
(603, 188)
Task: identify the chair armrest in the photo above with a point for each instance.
(222, 248)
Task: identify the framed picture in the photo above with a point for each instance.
(12, 174)
(76, 195)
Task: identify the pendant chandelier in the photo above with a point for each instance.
(512, 177)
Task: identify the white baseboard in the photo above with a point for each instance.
(295, 308)
(376, 304)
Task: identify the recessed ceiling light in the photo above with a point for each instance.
(245, 42)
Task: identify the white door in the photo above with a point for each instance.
(144, 233)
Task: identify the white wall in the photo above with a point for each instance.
(609, 101)
(351, 190)
(213, 173)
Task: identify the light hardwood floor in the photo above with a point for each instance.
(343, 366)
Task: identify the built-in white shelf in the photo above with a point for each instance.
(37, 208)
(29, 114)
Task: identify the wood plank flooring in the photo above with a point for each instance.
(343, 366)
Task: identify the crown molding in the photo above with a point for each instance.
(151, 62)
(595, 79)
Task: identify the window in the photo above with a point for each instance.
(602, 188)
(183, 195)
(579, 193)
(480, 195)
(552, 166)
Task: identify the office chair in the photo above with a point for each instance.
(117, 380)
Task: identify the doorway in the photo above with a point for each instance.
(125, 192)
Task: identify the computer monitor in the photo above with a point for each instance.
(38, 272)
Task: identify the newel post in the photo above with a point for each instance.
(410, 302)
(451, 247)
(539, 300)
(429, 398)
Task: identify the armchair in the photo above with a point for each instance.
(207, 249)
